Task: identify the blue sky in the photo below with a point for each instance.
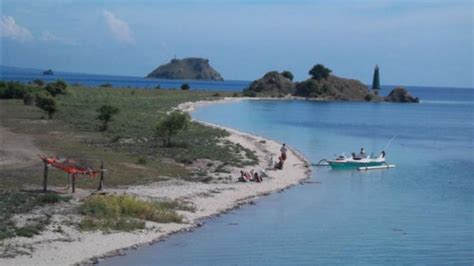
(414, 42)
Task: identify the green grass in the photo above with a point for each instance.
(12, 203)
(131, 153)
(126, 213)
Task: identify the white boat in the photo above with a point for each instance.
(344, 162)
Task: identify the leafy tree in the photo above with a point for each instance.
(38, 82)
(185, 86)
(106, 113)
(57, 87)
(46, 103)
(287, 74)
(320, 72)
(171, 125)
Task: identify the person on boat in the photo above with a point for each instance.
(283, 151)
(362, 153)
(382, 154)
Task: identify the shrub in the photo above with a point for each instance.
(287, 74)
(57, 87)
(171, 125)
(249, 93)
(38, 82)
(106, 85)
(12, 90)
(157, 87)
(106, 113)
(235, 94)
(46, 103)
(185, 86)
(28, 99)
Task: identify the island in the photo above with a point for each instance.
(323, 86)
(48, 72)
(187, 68)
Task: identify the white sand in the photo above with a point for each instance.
(72, 246)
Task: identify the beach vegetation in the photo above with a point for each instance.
(249, 93)
(106, 85)
(287, 74)
(171, 125)
(46, 103)
(319, 72)
(57, 87)
(106, 114)
(185, 86)
(125, 213)
(17, 202)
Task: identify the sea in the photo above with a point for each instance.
(419, 213)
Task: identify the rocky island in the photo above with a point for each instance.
(322, 85)
(48, 72)
(186, 68)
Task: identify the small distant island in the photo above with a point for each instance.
(322, 85)
(48, 72)
(187, 68)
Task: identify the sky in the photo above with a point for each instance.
(417, 42)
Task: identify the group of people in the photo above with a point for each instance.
(359, 156)
(246, 176)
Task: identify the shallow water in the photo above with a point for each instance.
(421, 212)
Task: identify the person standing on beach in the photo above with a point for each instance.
(283, 151)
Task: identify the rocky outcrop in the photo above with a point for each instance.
(335, 88)
(401, 95)
(187, 68)
(271, 84)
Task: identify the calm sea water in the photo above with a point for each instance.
(93, 80)
(421, 212)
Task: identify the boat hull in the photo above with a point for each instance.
(352, 165)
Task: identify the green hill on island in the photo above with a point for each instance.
(186, 68)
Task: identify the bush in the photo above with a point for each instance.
(56, 88)
(185, 86)
(106, 113)
(235, 94)
(171, 125)
(38, 82)
(158, 87)
(106, 85)
(46, 103)
(249, 93)
(28, 99)
(12, 90)
(121, 212)
(320, 72)
(287, 74)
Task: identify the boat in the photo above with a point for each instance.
(359, 162)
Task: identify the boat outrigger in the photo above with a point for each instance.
(360, 162)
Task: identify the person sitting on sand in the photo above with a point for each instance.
(244, 176)
(256, 177)
(279, 165)
(283, 151)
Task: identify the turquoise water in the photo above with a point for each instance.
(421, 212)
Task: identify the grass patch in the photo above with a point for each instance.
(126, 213)
(12, 203)
(129, 140)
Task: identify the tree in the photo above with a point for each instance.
(287, 74)
(185, 87)
(46, 103)
(57, 87)
(320, 72)
(171, 125)
(106, 113)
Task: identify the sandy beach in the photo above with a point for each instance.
(72, 246)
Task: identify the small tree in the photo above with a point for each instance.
(185, 87)
(106, 113)
(55, 88)
(171, 125)
(320, 72)
(287, 74)
(46, 103)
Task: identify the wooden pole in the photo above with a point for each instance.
(45, 177)
(73, 183)
(101, 182)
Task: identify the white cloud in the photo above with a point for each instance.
(118, 27)
(47, 36)
(9, 29)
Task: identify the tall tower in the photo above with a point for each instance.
(376, 81)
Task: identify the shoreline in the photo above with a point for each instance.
(213, 199)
